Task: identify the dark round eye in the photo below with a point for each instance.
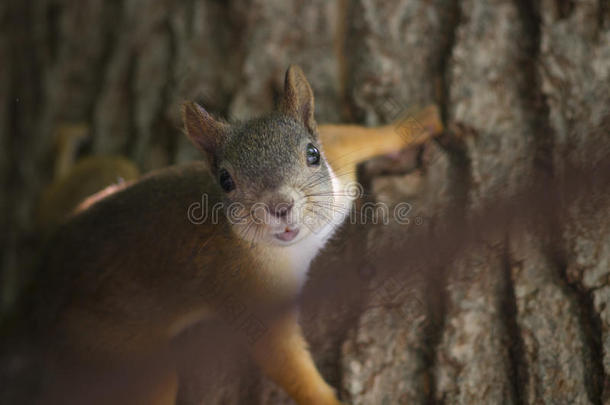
(313, 155)
(226, 181)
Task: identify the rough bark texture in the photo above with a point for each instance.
(520, 317)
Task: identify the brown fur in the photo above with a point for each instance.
(347, 145)
(126, 274)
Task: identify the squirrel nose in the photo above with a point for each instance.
(280, 209)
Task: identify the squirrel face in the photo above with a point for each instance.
(275, 180)
(277, 186)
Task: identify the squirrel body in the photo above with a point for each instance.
(130, 271)
(85, 178)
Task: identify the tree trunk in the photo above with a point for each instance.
(518, 315)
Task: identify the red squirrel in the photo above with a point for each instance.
(130, 271)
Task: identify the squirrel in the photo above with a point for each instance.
(130, 271)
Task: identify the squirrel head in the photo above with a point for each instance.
(278, 188)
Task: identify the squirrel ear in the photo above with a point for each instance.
(298, 98)
(202, 129)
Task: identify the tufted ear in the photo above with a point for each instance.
(205, 132)
(297, 101)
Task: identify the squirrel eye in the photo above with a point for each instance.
(313, 155)
(226, 181)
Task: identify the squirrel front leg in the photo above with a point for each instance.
(347, 145)
(283, 355)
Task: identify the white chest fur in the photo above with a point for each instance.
(287, 265)
(299, 256)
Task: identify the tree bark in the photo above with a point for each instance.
(520, 316)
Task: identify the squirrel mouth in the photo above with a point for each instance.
(288, 234)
